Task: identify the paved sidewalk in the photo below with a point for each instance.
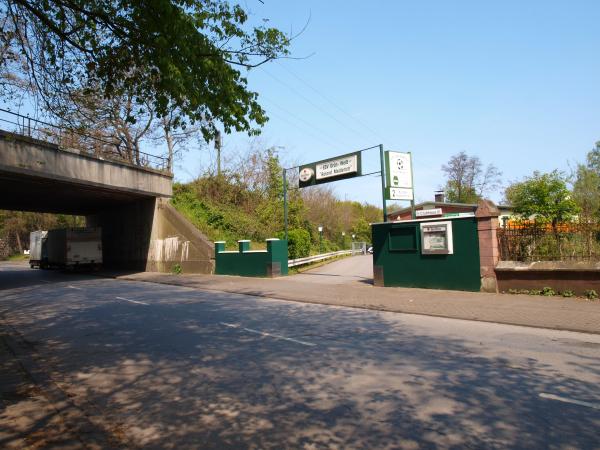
(541, 312)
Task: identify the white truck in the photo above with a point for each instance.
(71, 248)
(38, 250)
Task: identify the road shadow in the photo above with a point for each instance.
(185, 372)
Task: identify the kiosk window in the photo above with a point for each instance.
(403, 239)
(436, 238)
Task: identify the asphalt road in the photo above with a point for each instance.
(160, 366)
(346, 270)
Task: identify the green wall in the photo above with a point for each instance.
(397, 258)
(252, 263)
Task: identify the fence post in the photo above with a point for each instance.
(487, 224)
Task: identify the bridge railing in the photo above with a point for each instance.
(95, 145)
(316, 258)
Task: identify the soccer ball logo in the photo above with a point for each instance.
(306, 174)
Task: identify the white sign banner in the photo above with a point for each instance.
(400, 193)
(400, 170)
(429, 212)
(337, 167)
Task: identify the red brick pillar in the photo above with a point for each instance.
(487, 223)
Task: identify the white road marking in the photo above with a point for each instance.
(132, 301)
(75, 287)
(570, 400)
(262, 333)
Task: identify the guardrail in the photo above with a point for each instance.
(100, 146)
(317, 258)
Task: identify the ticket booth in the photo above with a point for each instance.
(427, 253)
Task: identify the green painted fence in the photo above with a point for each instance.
(398, 259)
(272, 262)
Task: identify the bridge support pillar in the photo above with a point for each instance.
(150, 235)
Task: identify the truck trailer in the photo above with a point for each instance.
(72, 248)
(38, 249)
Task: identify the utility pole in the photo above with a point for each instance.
(218, 149)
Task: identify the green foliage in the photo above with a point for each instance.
(544, 196)
(176, 269)
(567, 293)
(362, 231)
(548, 291)
(174, 56)
(298, 243)
(455, 193)
(246, 202)
(15, 226)
(535, 292)
(217, 221)
(586, 188)
(591, 294)
(593, 158)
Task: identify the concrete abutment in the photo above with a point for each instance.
(151, 235)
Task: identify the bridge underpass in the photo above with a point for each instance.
(140, 229)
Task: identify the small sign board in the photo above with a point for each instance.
(396, 193)
(399, 169)
(339, 168)
(462, 214)
(429, 212)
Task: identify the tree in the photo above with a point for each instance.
(586, 188)
(181, 56)
(466, 179)
(543, 195)
(593, 158)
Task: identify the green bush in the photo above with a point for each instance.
(548, 291)
(524, 291)
(176, 269)
(298, 243)
(567, 293)
(591, 294)
(535, 292)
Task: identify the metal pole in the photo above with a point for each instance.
(321, 241)
(218, 149)
(285, 204)
(381, 157)
(413, 213)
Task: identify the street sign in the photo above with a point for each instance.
(399, 170)
(396, 193)
(338, 168)
(429, 212)
(398, 175)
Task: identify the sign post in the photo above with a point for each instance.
(285, 204)
(381, 158)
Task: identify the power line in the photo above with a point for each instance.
(308, 124)
(315, 105)
(305, 130)
(329, 100)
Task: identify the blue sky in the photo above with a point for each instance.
(513, 82)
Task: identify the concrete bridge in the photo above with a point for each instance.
(141, 230)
